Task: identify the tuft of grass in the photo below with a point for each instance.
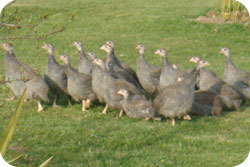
(232, 10)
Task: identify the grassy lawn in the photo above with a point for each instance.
(78, 139)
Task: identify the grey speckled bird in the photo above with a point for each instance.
(21, 76)
(110, 87)
(168, 75)
(55, 75)
(123, 65)
(235, 77)
(84, 65)
(136, 107)
(79, 84)
(208, 81)
(115, 68)
(176, 100)
(206, 103)
(148, 74)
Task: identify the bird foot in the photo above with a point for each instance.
(187, 117)
(121, 113)
(10, 99)
(40, 107)
(172, 122)
(87, 103)
(84, 110)
(55, 105)
(105, 109)
(157, 118)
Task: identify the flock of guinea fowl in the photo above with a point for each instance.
(150, 93)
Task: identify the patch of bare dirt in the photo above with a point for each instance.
(213, 17)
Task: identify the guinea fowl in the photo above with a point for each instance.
(148, 74)
(114, 69)
(84, 65)
(123, 65)
(92, 56)
(208, 81)
(110, 87)
(21, 76)
(168, 75)
(235, 77)
(176, 100)
(136, 107)
(55, 76)
(206, 103)
(79, 84)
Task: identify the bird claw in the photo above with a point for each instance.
(187, 117)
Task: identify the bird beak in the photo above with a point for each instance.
(73, 44)
(61, 58)
(43, 47)
(119, 92)
(102, 47)
(191, 60)
(207, 63)
(179, 79)
(94, 61)
(137, 48)
(157, 52)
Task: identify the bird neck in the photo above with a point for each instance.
(81, 53)
(141, 52)
(191, 78)
(165, 60)
(51, 58)
(10, 52)
(228, 62)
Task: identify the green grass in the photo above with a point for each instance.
(77, 139)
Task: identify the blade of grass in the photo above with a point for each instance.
(14, 159)
(11, 127)
(46, 162)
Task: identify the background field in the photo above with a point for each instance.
(77, 139)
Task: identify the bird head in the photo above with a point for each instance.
(202, 64)
(195, 59)
(179, 79)
(110, 43)
(91, 55)
(161, 52)
(141, 48)
(65, 59)
(225, 51)
(8, 47)
(78, 45)
(99, 62)
(123, 92)
(106, 48)
(48, 47)
(175, 66)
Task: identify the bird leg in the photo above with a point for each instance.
(69, 101)
(88, 103)
(187, 117)
(84, 105)
(54, 103)
(121, 113)
(40, 107)
(105, 109)
(10, 99)
(157, 118)
(173, 122)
